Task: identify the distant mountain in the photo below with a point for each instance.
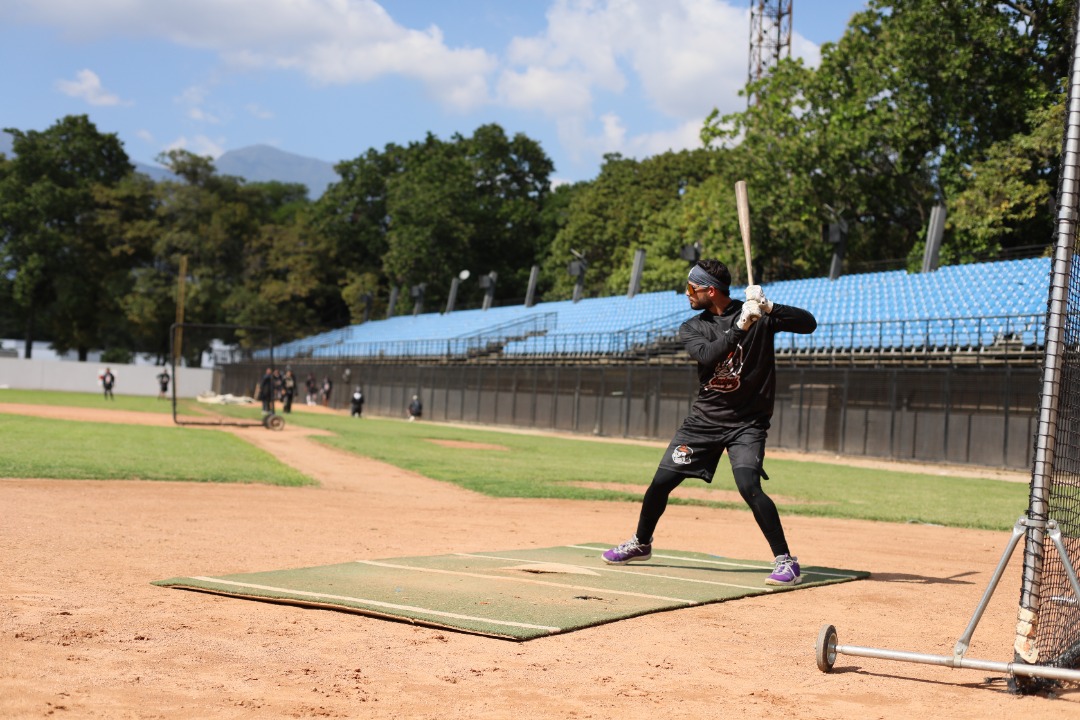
(263, 163)
(257, 163)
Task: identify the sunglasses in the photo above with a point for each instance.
(691, 288)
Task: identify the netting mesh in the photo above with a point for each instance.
(1048, 627)
(244, 402)
(1057, 631)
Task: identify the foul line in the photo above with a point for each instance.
(626, 572)
(726, 562)
(376, 603)
(529, 581)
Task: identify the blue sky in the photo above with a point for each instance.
(330, 79)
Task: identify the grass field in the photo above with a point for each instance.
(85, 400)
(524, 465)
(62, 449)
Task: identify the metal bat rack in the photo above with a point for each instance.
(828, 647)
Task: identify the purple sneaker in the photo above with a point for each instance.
(629, 551)
(786, 571)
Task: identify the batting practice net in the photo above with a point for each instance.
(1048, 632)
(193, 345)
(1048, 622)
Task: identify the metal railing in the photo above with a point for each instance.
(990, 339)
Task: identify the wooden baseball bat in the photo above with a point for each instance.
(742, 202)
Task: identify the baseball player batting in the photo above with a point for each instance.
(732, 342)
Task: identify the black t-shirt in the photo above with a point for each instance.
(736, 369)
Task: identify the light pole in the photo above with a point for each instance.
(417, 292)
(487, 282)
(463, 275)
(577, 269)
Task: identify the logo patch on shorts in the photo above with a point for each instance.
(682, 455)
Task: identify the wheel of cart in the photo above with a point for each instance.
(825, 650)
(274, 421)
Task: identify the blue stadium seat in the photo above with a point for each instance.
(959, 306)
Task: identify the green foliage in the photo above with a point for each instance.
(607, 222)
(50, 249)
(420, 214)
(1005, 195)
(117, 355)
(913, 96)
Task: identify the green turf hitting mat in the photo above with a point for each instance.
(513, 594)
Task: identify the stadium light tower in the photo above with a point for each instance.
(770, 37)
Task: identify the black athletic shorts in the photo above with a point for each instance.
(696, 448)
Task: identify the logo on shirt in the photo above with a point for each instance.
(682, 455)
(726, 377)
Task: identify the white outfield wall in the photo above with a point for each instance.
(20, 374)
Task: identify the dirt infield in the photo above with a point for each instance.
(84, 634)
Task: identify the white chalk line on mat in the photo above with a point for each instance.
(727, 562)
(627, 572)
(376, 603)
(584, 588)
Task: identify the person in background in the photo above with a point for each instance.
(288, 391)
(163, 384)
(357, 402)
(107, 381)
(266, 391)
(327, 386)
(312, 389)
(416, 408)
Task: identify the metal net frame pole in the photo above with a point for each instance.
(1036, 526)
(1047, 428)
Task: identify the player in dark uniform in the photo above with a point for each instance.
(732, 342)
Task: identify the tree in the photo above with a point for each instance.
(607, 218)
(51, 252)
(352, 214)
(1008, 197)
(511, 181)
(281, 260)
(126, 218)
(431, 215)
(421, 213)
(890, 123)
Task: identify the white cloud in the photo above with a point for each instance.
(87, 85)
(198, 145)
(145, 135)
(584, 71)
(540, 88)
(613, 136)
(689, 55)
(200, 115)
(330, 41)
(682, 57)
(684, 136)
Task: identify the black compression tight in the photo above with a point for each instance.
(747, 480)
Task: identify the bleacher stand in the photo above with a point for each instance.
(960, 307)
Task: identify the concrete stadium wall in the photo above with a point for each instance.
(962, 415)
(21, 374)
